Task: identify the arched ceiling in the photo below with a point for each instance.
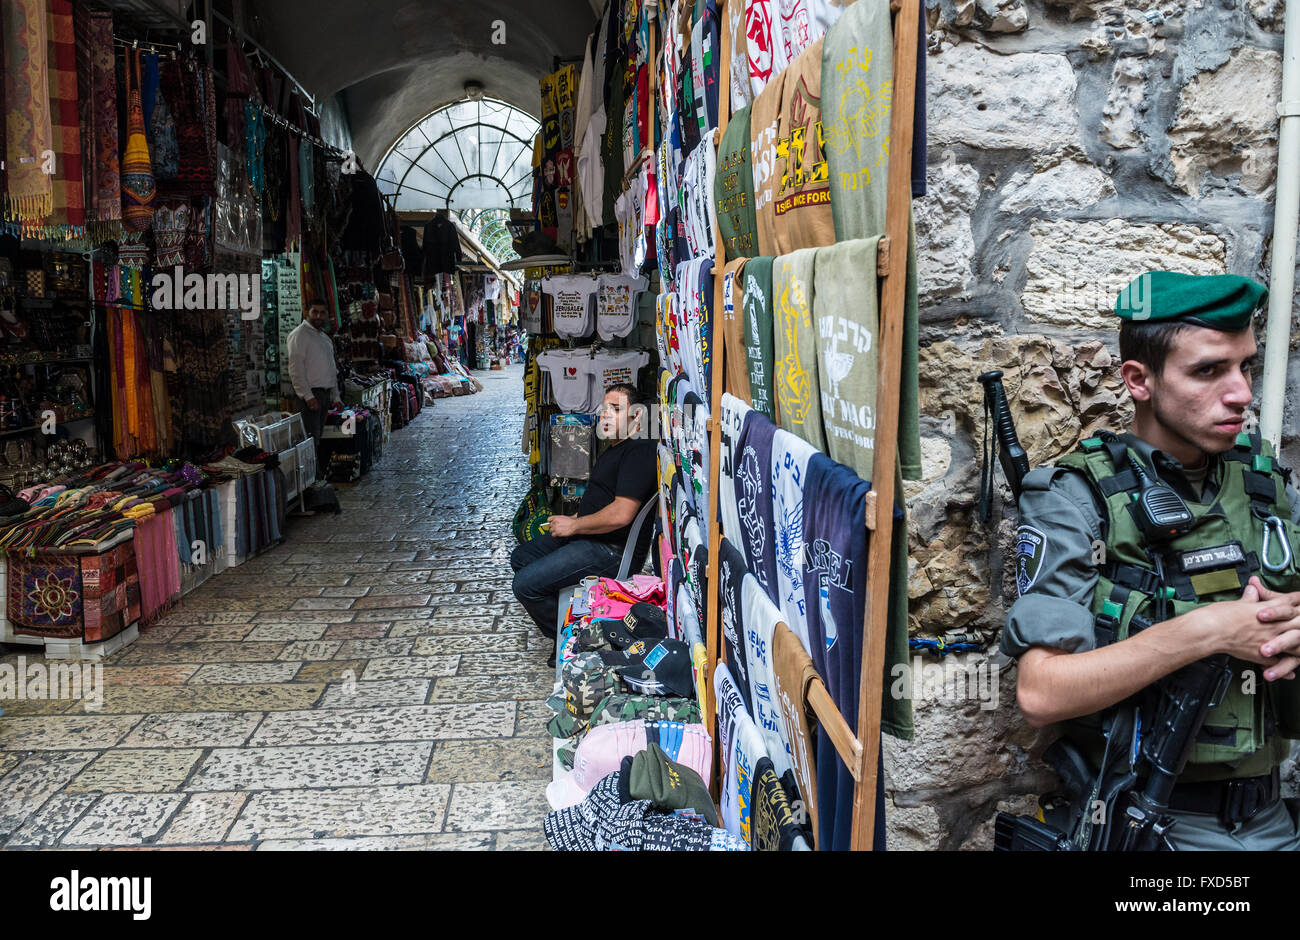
(395, 61)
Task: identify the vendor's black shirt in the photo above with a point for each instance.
(626, 469)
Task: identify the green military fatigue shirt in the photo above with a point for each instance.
(1055, 604)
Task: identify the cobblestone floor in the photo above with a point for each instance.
(370, 683)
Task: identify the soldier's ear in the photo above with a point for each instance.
(1137, 378)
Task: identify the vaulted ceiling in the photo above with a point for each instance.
(394, 61)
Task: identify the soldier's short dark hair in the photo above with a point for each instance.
(630, 391)
(1149, 342)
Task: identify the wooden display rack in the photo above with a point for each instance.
(859, 752)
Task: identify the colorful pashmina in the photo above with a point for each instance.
(104, 209)
(28, 134)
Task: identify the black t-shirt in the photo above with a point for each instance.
(626, 469)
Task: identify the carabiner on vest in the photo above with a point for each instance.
(1274, 528)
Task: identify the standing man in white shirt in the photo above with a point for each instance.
(312, 370)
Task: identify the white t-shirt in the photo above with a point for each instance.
(491, 288)
(790, 456)
(741, 91)
(616, 298)
(761, 618)
(733, 420)
(730, 705)
(764, 42)
(803, 22)
(571, 303)
(614, 366)
(624, 214)
(570, 373)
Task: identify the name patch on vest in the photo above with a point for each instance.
(1030, 547)
(1219, 556)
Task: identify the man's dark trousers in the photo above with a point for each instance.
(314, 420)
(546, 565)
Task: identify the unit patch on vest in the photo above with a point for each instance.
(1219, 556)
(1030, 547)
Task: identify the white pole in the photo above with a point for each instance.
(1285, 218)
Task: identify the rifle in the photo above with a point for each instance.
(1014, 460)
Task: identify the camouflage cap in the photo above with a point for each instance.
(586, 681)
(622, 706)
(589, 636)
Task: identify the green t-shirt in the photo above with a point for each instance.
(733, 189)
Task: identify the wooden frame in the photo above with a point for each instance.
(860, 752)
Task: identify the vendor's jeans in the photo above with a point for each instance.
(547, 565)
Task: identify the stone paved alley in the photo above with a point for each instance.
(370, 683)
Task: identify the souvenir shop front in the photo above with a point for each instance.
(169, 211)
(747, 262)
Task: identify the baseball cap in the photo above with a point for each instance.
(644, 622)
(601, 753)
(663, 669)
(625, 706)
(585, 681)
(668, 785)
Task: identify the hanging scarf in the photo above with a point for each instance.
(138, 187)
(254, 144)
(187, 91)
(30, 193)
(162, 140)
(293, 212)
(105, 197)
(69, 216)
(239, 86)
(307, 176)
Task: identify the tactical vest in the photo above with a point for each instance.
(1244, 736)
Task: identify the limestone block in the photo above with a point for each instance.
(945, 244)
(1077, 269)
(1070, 184)
(1226, 125)
(1023, 101)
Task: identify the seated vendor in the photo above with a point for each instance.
(591, 542)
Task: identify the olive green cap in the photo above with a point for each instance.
(1218, 301)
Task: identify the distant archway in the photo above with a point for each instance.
(467, 155)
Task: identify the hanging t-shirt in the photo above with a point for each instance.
(729, 704)
(697, 565)
(805, 21)
(731, 575)
(790, 456)
(857, 77)
(756, 303)
(798, 396)
(625, 215)
(571, 302)
(570, 374)
(764, 136)
(695, 442)
(738, 81)
(803, 196)
(733, 339)
(792, 673)
(531, 314)
(613, 367)
(616, 297)
(772, 820)
(733, 416)
(763, 43)
(753, 485)
(733, 189)
(760, 620)
(749, 749)
(847, 320)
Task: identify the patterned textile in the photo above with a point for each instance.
(110, 592)
(156, 554)
(91, 596)
(104, 209)
(188, 89)
(28, 134)
(138, 186)
(69, 197)
(162, 140)
(171, 229)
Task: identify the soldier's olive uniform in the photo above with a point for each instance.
(1072, 599)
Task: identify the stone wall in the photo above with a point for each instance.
(1073, 145)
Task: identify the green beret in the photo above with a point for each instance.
(1220, 301)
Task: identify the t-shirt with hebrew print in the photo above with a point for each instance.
(798, 393)
(802, 205)
(531, 307)
(616, 298)
(764, 134)
(763, 43)
(615, 367)
(571, 303)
